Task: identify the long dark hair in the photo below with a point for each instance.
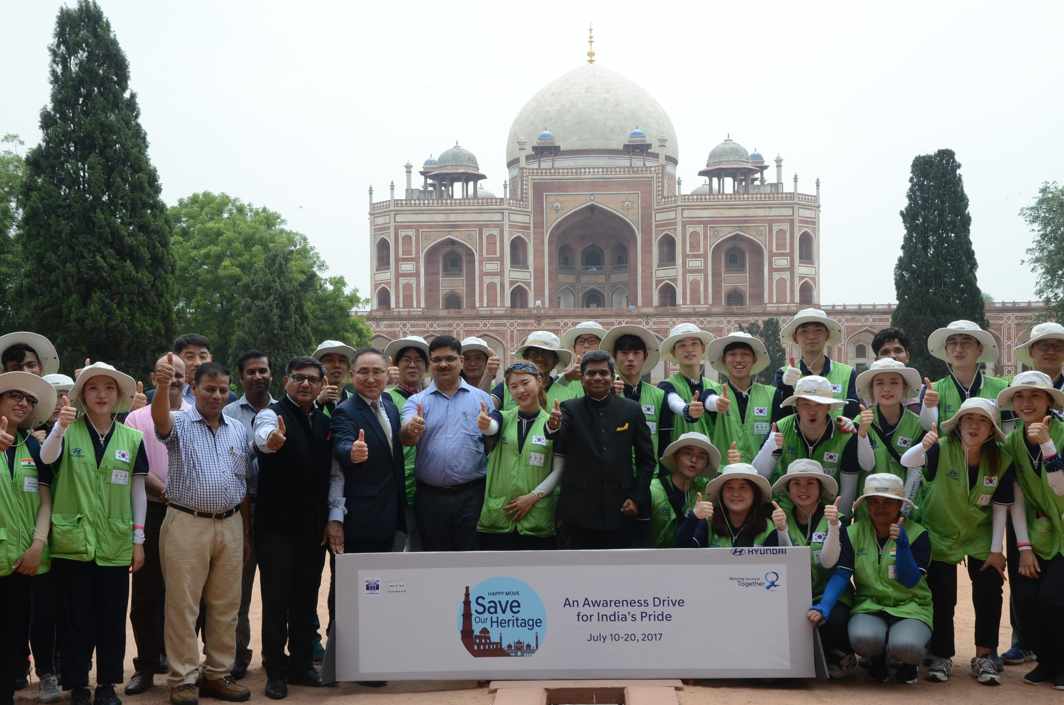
(989, 450)
(756, 519)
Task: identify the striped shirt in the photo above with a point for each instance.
(208, 469)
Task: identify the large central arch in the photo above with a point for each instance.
(590, 250)
(450, 275)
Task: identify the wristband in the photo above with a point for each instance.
(1049, 449)
(138, 526)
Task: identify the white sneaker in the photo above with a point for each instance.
(48, 689)
(939, 669)
(984, 671)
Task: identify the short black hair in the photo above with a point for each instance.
(888, 334)
(302, 362)
(210, 369)
(250, 355)
(17, 353)
(445, 341)
(190, 339)
(629, 343)
(400, 351)
(735, 346)
(596, 356)
(368, 350)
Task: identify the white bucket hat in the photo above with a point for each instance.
(814, 388)
(38, 388)
(936, 342)
(126, 386)
(475, 344)
(695, 440)
(609, 344)
(884, 484)
(392, 350)
(888, 365)
(1043, 331)
(334, 347)
(738, 471)
(545, 340)
(716, 351)
(38, 343)
(681, 331)
(1031, 379)
(811, 315)
(594, 328)
(60, 383)
(807, 467)
(976, 405)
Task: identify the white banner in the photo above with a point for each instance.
(694, 613)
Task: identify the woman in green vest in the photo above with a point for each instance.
(735, 512)
(742, 413)
(969, 490)
(885, 386)
(26, 401)
(814, 334)
(964, 347)
(1034, 448)
(98, 511)
(519, 501)
(684, 411)
(635, 350)
(811, 432)
(887, 556)
(685, 464)
(544, 350)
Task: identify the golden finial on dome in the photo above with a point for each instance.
(590, 44)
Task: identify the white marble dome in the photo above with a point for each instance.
(592, 108)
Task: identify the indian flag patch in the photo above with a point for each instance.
(26, 463)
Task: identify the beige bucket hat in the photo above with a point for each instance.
(475, 344)
(814, 388)
(1049, 330)
(1031, 379)
(545, 340)
(738, 471)
(888, 365)
(883, 484)
(334, 347)
(609, 344)
(392, 350)
(936, 342)
(811, 315)
(42, 346)
(696, 440)
(681, 331)
(807, 467)
(594, 328)
(36, 387)
(127, 387)
(716, 351)
(981, 407)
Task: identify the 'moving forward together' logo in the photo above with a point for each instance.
(501, 617)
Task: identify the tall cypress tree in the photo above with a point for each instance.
(935, 277)
(95, 234)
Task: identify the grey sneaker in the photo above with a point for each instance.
(48, 689)
(984, 671)
(939, 669)
(841, 664)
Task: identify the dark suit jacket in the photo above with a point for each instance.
(375, 489)
(598, 440)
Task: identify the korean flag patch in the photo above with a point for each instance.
(122, 456)
(831, 457)
(903, 441)
(760, 411)
(837, 388)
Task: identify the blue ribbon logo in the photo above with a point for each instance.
(772, 579)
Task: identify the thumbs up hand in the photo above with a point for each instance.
(896, 528)
(777, 437)
(555, 421)
(359, 449)
(695, 409)
(703, 509)
(330, 393)
(723, 402)
(67, 415)
(277, 437)
(483, 419)
(139, 399)
(164, 374)
(791, 374)
(733, 454)
(831, 512)
(618, 385)
(930, 438)
(864, 421)
(416, 426)
(779, 517)
(492, 368)
(1039, 432)
(845, 424)
(78, 371)
(393, 376)
(6, 439)
(930, 395)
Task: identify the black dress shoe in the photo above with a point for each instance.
(309, 678)
(276, 689)
(105, 695)
(80, 696)
(164, 666)
(140, 683)
(373, 684)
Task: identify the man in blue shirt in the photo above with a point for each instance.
(451, 460)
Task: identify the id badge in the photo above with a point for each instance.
(653, 426)
(762, 427)
(535, 460)
(119, 477)
(29, 484)
(892, 572)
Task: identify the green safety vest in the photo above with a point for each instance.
(876, 589)
(663, 519)
(828, 454)
(651, 400)
(409, 453)
(1045, 508)
(680, 425)
(958, 516)
(560, 390)
(749, 434)
(839, 376)
(950, 400)
(92, 517)
(907, 433)
(513, 473)
(19, 503)
(725, 541)
(815, 542)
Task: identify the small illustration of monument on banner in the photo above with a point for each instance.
(483, 643)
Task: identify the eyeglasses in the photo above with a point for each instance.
(19, 397)
(300, 379)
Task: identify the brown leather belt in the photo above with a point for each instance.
(205, 515)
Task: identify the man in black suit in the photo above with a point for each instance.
(295, 458)
(609, 462)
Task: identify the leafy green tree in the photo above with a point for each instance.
(237, 265)
(12, 168)
(935, 276)
(94, 235)
(769, 332)
(1045, 216)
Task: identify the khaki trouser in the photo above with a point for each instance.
(201, 559)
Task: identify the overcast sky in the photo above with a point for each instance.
(301, 106)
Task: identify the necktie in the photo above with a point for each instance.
(382, 419)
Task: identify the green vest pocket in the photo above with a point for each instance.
(116, 543)
(69, 536)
